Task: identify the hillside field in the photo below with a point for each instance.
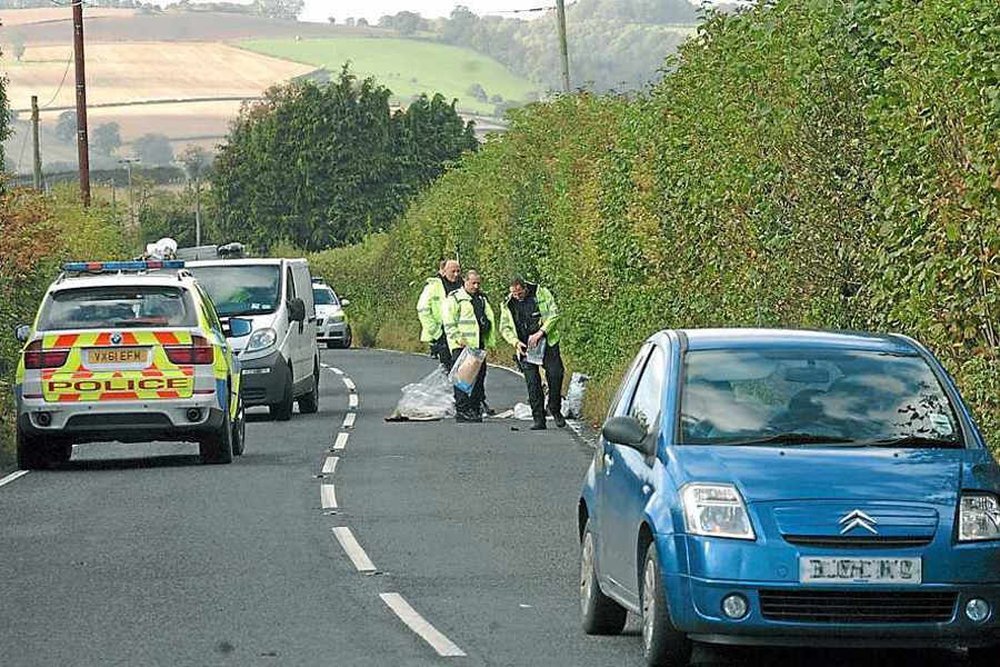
(408, 67)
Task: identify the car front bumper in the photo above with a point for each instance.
(330, 331)
(264, 380)
(696, 600)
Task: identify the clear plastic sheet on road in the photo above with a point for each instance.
(427, 400)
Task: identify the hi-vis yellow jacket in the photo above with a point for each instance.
(429, 309)
(460, 323)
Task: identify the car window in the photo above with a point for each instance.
(118, 307)
(324, 296)
(620, 401)
(853, 395)
(649, 392)
(209, 311)
(240, 289)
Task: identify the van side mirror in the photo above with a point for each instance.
(626, 431)
(22, 332)
(297, 310)
(238, 328)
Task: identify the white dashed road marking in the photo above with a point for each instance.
(330, 465)
(408, 615)
(328, 497)
(341, 441)
(13, 476)
(352, 401)
(354, 551)
(349, 419)
(337, 370)
(349, 383)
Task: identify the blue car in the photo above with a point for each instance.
(791, 488)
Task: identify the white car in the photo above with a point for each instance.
(332, 327)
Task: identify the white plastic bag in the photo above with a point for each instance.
(572, 406)
(431, 398)
(466, 368)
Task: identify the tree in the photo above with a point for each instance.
(288, 10)
(362, 22)
(17, 45)
(332, 20)
(323, 164)
(66, 127)
(477, 92)
(153, 149)
(107, 138)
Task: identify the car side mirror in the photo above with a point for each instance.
(344, 303)
(22, 333)
(297, 310)
(627, 431)
(238, 328)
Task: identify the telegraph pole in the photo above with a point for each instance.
(36, 144)
(563, 47)
(82, 144)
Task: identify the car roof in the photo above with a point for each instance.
(155, 279)
(747, 338)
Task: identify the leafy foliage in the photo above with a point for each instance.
(107, 138)
(826, 164)
(323, 165)
(4, 120)
(154, 149)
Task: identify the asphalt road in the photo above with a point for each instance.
(317, 548)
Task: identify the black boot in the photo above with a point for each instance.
(559, 420)
(538, 425)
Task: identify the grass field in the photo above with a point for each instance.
(407, 67)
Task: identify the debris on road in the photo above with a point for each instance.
(429, 399)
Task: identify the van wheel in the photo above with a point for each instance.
(240, 431)
(662, 643)
(309, 403)
(282, 411)
(34, 453)
(600, 614)
(218, 447)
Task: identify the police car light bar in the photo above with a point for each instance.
(112, 267)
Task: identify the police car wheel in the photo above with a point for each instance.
(240, 431)
(218, 447)
(348, 338)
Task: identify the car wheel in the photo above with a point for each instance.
(983, 656)
(282, 411)
(34, 453)
(600, 614)
(240, 431)
(662, 643)
(218, 447)
(348, 338)
(309, 403)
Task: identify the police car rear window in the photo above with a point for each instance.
(118, 307)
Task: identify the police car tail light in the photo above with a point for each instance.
(197, 353)
(35, 357)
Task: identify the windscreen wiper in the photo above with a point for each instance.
(791, 438)
(913, 440)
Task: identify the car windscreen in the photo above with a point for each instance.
(324, 296)
(118, 307)
(241, 289)
(852, 397)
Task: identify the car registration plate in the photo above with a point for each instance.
(859, 570)
(117, 355)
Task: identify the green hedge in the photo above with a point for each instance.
(828, 163)
(39, 233)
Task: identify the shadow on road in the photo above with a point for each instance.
(178, 461)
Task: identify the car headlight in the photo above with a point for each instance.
(716, 510)
(337, 319)
(978, 517)
(261, 340)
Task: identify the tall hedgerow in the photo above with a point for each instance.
(831, 163)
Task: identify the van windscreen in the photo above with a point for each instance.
(241, 289)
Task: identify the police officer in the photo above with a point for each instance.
(468, 322)
(528, 317)
(429, 305)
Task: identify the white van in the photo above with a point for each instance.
(279, 356)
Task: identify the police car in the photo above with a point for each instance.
(127, 351)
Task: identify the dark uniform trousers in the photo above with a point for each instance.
(470, 405)
(440, 351)
(553, 365)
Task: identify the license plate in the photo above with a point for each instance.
(860, 570)
(117, 355)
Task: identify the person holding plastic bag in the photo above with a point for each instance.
(470, 329)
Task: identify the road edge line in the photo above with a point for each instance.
(14, 476)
